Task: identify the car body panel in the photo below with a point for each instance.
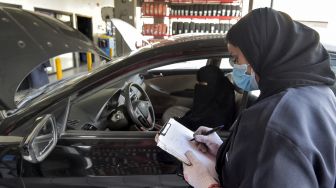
(164, 92)
(107, 159)
(32, 39)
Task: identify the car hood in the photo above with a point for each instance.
(29, 39)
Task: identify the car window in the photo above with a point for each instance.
(194, 64)
(225, 64)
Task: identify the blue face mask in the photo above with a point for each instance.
(243, 80)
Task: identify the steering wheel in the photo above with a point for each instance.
(139, 107)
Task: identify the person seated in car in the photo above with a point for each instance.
(214, 100)
(37, 78)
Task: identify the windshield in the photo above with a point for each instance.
(32, 87)
(24, 96)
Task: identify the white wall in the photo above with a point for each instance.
(88, 8)
(312, 11)
(303, 10)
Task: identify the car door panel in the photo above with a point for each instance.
(105, 159)
(9, 170)
(170, 87)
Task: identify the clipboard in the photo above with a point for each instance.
(165, 129)
(174, 138)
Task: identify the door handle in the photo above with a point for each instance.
(158, 75)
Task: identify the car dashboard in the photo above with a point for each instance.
(103, 109)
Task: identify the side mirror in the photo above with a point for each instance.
(41, 141)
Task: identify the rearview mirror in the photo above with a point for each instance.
(41, 141)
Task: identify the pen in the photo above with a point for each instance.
(210, 131)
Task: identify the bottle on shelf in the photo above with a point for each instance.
(206, 16)
(192, 27)
(154, 9)
(154, 29)
(204, 10)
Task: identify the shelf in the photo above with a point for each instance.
(163, 35)
(190, 1)
(156, 1)
(193, 11)
(155, 16)
(203, 2)
(207, 17)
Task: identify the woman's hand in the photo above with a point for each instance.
(197, 174)
(209, 143)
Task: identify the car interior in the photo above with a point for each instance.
(150, 93)
(138, 102)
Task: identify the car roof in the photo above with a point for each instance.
(186, 44)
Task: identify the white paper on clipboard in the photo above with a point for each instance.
(174, 138)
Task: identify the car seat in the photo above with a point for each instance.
(243, 100)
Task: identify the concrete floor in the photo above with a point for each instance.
(72, 71)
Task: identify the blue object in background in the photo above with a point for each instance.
(106, 42)
(37, 78)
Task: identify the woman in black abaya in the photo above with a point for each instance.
(213, 103)
(288, 137)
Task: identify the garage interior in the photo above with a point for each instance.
(91, 87)
(157, 20)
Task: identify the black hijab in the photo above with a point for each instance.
(284, 53)
(213, 103)
(208, 95)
